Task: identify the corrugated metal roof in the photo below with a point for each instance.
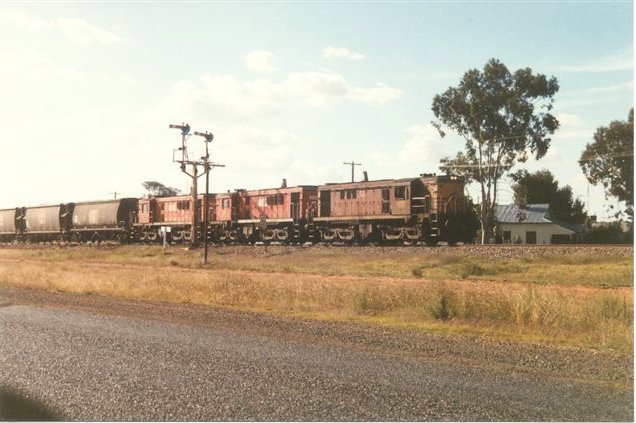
(532, 213)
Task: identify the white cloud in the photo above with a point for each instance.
(227, 98)
(26, 21)
(260, 61)
(423, 146)
(381, 93)
(571, 128)
(319, 88)
(75, 29)
(341, 53)
(83, 33)
(316, 88)
(619, 62)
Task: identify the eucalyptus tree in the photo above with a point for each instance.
(504, 118)
(541, 187)
(609, 160)
(157, 189)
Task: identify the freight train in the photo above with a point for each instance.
(425, 209)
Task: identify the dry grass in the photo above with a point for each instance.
(537, 300)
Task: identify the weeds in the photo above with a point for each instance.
(443, 292)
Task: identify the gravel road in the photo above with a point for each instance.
(94, 358)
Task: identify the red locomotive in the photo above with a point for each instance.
(428, 209)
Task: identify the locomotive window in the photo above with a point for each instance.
(350, 193)
(144, 208)
(400, 193)
(225, 204)
(275, 199)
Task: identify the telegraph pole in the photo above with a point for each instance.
(185, 133)
(353, 164)
(115, 193)
(207, 165)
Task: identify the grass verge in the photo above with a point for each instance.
(528, 300)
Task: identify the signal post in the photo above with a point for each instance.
(207, 166)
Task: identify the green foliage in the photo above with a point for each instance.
(501, 115)
(541, 188)
(158, 189)
(609, 160)
(609, 234)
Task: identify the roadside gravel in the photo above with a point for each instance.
(600, 366)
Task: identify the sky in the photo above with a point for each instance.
(289, 89)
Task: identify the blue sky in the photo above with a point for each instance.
(290, 90)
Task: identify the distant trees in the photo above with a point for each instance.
(541, 188)
(158, 189)
(609, 160)
(501, 116)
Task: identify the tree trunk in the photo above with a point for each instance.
(485, 219)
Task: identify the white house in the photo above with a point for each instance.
(533, 224)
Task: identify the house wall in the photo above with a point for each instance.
(544, 231)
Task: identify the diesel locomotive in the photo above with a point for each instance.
(425, 209)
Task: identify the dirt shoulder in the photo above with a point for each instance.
(586, 365)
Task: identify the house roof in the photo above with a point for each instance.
(532, 213)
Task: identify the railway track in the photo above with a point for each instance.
(496, 251)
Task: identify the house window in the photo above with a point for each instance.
(507, 236)
(531, 237)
